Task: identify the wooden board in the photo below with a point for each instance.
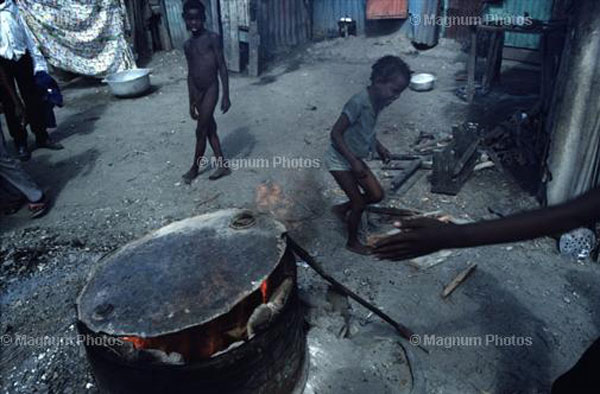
(231, 34)
(387, 9)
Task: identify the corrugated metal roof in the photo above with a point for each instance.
(327, 13)
(537, 9)
(387, 9)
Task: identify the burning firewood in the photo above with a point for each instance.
(264, 314)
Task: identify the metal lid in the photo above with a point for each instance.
(183, 275)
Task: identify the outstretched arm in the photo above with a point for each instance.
(218, 48)
(424, 237)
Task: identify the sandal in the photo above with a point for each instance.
(40, 208)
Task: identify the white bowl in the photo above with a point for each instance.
(422, 82)
(130, 83)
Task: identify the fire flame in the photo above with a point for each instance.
(138, 343)
(263, 290)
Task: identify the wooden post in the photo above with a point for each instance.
(215, 17)
(254, 41)
(494, 59)
(471, 66)
(165, 35)
(231, 34)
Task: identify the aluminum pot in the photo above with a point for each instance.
(422, 82)
(129, 83)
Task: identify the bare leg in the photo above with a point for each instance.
(222, 167)
(358, 201)
(341, 210)
(206, 107)
(192, 173)
(373, 194)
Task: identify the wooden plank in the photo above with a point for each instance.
(522, 55)
(254, 50)
(215, 17)
(231, 39)
(471, 67)
(494, 60)
(399, 156)
(391, 211)
(243, 12)
(454, 165)
(460, 278)
(405, 175)
(465, 158)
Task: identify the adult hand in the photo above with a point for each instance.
(225, 104)
(419, 237)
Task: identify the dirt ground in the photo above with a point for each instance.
(120, 177)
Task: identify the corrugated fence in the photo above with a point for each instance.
(327, 13)
(283, 24)
(537, 9)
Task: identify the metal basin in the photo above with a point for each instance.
(129, 83)
(422, 82)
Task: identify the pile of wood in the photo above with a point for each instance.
(519, 141)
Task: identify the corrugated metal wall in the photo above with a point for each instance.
(385, 9)
(327, 13)
(283, 24)
(176, 24)
(421, 10)
(537, 9)
(464, 9)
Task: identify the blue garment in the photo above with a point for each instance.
(51, 96)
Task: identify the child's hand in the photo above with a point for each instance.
(225, 104)
(359, 170)
(385, 155)
(194, 111)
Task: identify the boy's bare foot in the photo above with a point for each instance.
(340, 211)
(189, 176)
(219, 173)
(359, 248)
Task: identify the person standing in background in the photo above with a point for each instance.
(20, 61)
(13, 177)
